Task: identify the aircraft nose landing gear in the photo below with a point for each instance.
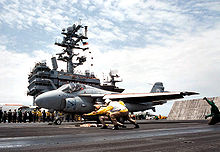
(58, 121)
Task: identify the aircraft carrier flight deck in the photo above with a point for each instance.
(160, 136)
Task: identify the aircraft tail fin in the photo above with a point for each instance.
(158, 87)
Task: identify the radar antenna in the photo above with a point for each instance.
(114, 77)
(71, 40)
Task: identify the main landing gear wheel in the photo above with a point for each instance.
(58, 121)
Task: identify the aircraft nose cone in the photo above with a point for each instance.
(49, 100)
(43, 100)
(39, 100)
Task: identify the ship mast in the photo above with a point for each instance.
(71, 40)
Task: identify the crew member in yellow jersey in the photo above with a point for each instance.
(34, 115)
(104, 115)
(39, 114)
(48, 116)
(116, 109)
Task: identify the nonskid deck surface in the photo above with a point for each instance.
(151, 136)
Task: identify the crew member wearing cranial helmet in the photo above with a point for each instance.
(115, 109)
(118, 109)
(104, 115)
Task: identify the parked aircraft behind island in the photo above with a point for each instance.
(80, 99)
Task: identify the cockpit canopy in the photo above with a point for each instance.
(71, 87)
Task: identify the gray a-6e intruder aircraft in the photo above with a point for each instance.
(80, 99)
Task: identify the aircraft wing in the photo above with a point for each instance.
(147, 97)
(92, 95)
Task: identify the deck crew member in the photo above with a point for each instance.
(44, 116)
(39, 115)
(19, 116)
(30, 116)
(104, 115)
(34, 115)
(48, 116)
(116, 109)
(215, 113)
(25, 116)
(1, 115)
(14, 117)
(9, 116)
(4, 117)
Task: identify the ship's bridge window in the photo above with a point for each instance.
(72, 87)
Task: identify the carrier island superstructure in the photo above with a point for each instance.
(42, 78)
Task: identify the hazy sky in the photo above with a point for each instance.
(173, 41)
